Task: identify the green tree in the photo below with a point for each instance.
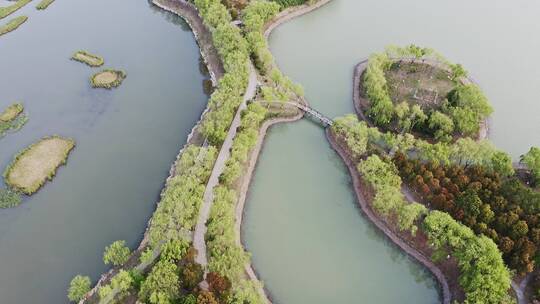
(532, 160)
(117, 253)
(78, 287)
(162, 284)
(442, 125)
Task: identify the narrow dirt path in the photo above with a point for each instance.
(200, 229)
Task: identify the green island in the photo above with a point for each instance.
(12, 118)
(36, 164)
(44, 4)
(88, 58)
(108, 79)
(10, 9)
(12, 25)
(416, 89)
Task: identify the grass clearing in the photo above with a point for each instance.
(44, 4)
(418, 83)
(36, 164)
(10, 9)
(12, 25)
(107, 79)
(88, 58)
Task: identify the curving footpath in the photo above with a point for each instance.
(208, 198)
(362, 201)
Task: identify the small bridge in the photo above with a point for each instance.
(325, 121)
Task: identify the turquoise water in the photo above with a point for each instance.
(310, 242)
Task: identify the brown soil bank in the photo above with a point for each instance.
(38, 163)
(417, 247)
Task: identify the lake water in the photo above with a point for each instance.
(126, 138)
(310, 242)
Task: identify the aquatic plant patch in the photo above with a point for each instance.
(12, 25)
(10, 9)
(9, 198)
(107, 79)
(44, 4)
(36, 164)
(12, 119)
(88, 58)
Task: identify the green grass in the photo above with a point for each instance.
(44, 4)
(107, 79)
(12, 25)
(12, 119)
(88, 58)
(10, 9)
(9, 198)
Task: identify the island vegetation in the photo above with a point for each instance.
(10, 9)
(44, 4)
(12, 24)
(88, 58)
(12, 118)
(33, 166)
(416, 89)
(108, 79)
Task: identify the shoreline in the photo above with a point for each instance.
(360, 102)
(383, 227)
(215, 68)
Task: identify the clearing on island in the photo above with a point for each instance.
(107, 79)
(38, 163)
(88, 58)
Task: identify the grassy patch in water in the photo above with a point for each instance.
(10, 9)
(88, 58)
(9, 198)
(36, 164)
(12, 119)
(107, 79)
(12, 24)
(44, 4)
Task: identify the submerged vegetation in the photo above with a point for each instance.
(12, 118)
(107, 79)
(10, 9)
(12, 24)
(88, 58)
(416, 89)
(36, 164)
(9, 198)
(44, 4)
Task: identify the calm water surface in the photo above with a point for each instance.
(126, 138)
(309, 242)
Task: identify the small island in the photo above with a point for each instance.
(36, 164)
(88, 58)
(107, 79)
(12, 118)
(417, 90)
(12, 25)
(44, 4)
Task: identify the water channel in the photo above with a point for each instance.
(309, 241)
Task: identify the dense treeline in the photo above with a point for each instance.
(532, 160)
(389, 200)
(226, 257)
(459, 114)
(500, 208)
(277, 87)
(483, 275)
(178, 210)
(464, 151)
(233, 49)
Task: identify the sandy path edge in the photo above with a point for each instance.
(373, 218)
(359, 101)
